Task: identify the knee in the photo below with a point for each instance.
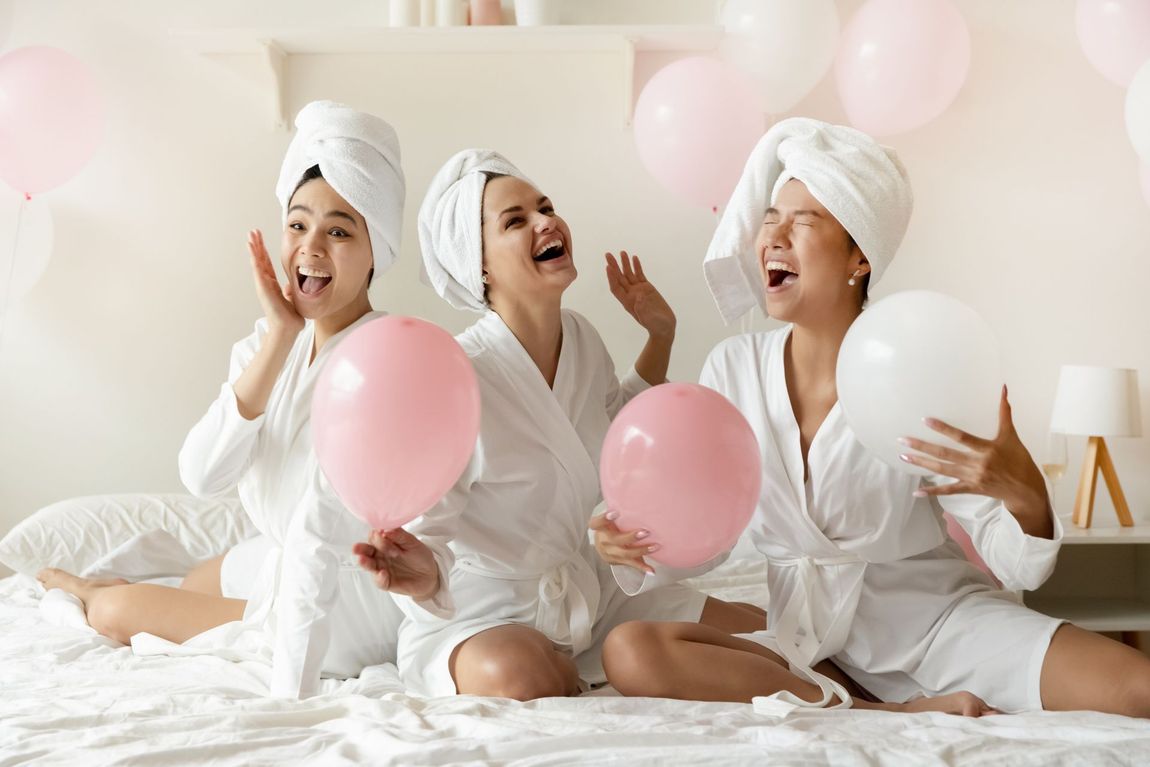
(108, 612)
(632, 655)
(1132, 698)
(526, 676)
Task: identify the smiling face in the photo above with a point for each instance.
(326, 251)
(806, 259)
(526, 245)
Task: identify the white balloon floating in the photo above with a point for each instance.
(915, 355)
(787, 46)
(1138, 112)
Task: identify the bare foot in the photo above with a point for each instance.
(54, 578)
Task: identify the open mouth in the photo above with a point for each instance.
(311, 281)
(780, 274)
(550, 251)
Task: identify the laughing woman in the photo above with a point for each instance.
(342, 192)
(860, 571)
(523, 600)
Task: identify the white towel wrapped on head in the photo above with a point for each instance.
(358, 155)
(861, 183)
(451, 226)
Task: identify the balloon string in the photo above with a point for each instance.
(12, 270)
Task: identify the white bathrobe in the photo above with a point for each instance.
(861, 571)
(511, 537)
(309, 602)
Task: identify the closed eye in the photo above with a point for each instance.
(547, 210)
(512, 222)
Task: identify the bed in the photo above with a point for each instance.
(69, 696)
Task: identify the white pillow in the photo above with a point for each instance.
(76, 533)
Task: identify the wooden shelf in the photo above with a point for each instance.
(274, 45)
(493, 39)
(1096, 613)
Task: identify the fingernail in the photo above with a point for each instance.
(641, 535)
(905, 457)
(920, 494)
(611, 516)
(904, 441)
(653, 548)
(929, 421)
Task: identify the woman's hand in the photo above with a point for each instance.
(276, 301)
(619, 548)
(639, 297)
(402, 563)
(999, 468)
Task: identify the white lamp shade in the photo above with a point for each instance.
(1097, 402)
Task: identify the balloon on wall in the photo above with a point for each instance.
(696, 122)
(1115, 36)
(51, 118)
(1138, 112)
(915, 355)
(395, 416)
(901, 63)
(26, 236)
(787, 46)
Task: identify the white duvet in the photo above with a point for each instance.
(68, 696)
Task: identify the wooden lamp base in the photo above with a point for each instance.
(1098, 459)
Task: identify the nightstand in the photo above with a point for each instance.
(1101, 581)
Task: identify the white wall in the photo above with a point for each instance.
(1028, 209)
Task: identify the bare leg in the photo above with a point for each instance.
(513, 661)
(691, 661)
(732, 617)
(205, 577)
(1086, 671)
(120, 610)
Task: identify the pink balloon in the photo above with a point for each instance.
(681, 461)
(1115, 36)
(958, 534)
(695, 123)
(1146, 182)
(394, 418)
(51, 118)
(901, 63)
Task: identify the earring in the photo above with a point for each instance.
(485, 278)
(851, 281)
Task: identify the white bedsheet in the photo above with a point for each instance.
(68, 696)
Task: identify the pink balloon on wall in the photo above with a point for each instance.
(901, 63)
(695, 123)
(51, 119)
(394, 418)
(1115, 36)
(681, 461)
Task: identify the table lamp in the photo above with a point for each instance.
(1097, 402)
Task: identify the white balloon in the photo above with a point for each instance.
(25, 245)
(786, 45)
(915, 355)
(1138, 112)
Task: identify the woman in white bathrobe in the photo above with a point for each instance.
(294, 593)
(524, 602)
(860, 571)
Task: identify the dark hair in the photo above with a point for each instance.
(311, 174)
(489, 176)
